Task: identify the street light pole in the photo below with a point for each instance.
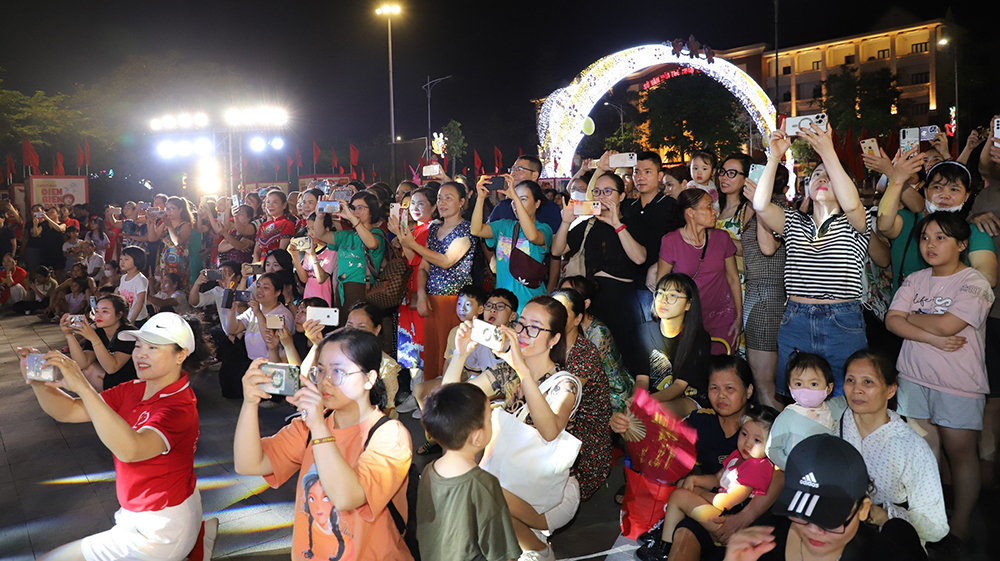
(388, 11)
(428, 87)
(621, 115)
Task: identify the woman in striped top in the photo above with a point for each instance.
(825, 258)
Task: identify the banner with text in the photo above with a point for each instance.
(51, 191)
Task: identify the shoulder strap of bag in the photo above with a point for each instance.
(547, 385)
(370, 271)
(397, 518)
(842, 422)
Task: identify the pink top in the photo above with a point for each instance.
(966, 295)
(754, 473)
(327, 259)
(717, 307)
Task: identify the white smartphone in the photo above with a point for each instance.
(928, 133)
(624, 160)
(396, 209)
(275, 322)
(869, 146)
(756, 172)
(996, 132)
(487, 334)
(586, 208)
(432, 170)
(909, 139)
(794, 125)
(328, 207)
(326, 316)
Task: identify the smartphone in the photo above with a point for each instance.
(396, 209)
(794, 125)
(586, 208)
(214, 274)
(756, 172)
(39, 215)
(35, 369)
(869, 146)
(143, 206)
(262, 192)
(432, 170)
(326, 316)
(301, 244)
(928, 133)
(242, 295)
(93, 302)
(497, 183)
(623, 160)
(328, 207)
(996, 132)
(284, 378)
(343, 195)
(116, 210)
(256, 269)
(909, 139)
(488, 335)
(274, 322)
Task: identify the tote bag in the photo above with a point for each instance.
(525, 463)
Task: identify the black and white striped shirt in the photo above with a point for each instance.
(826, 262)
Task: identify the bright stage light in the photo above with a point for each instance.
(184, 148)
(185, 121)
(156, 124)
(169, 122)
(166, 149)
(257, 144)
(208, 176)
(200, 120)
(262, 116)
(277, 143)
(203, 146)
(234, 117)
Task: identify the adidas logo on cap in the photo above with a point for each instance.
(809, 480)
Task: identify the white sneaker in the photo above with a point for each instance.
(416, 414)
(211, 533)
(408, 405)
(543, 555)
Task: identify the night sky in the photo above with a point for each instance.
(327, 62)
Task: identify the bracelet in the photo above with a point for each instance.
(619, 229)
(324, 440)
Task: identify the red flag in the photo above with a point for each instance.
(298, 157)
(497, 158)
(421, 164)
(11, 168)
(60, 170)
(477, 164)
(86, 150)
(362, 175)
(335, 165)
(340, 170)
(373, 172)
(28, 154)
(519, 152)
(354, 155)
(79, 156)
(465, 170)
(277, 165)
(315, 153)
(289, 169)
(445, 164)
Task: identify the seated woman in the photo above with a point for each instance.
(591, 424)
(901, 464)
(820, 513)
(538, 333)
(160, 515)
(367, 317)
(348, 464)
(105, 359)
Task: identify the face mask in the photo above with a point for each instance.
(578, 195)
(808, 398)
(932, 208)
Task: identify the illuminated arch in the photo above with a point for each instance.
(560, 120)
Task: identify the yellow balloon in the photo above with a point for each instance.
(588, 126)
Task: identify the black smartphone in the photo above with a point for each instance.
(242, 295)
(498, 183)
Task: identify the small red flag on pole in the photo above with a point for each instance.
(86, 151)
(60, 170)
(316, 153)
(498, 158)
(354, 155)
(362, 175)
(335, 162)
(477, 164)
(79, 157)
(298, 158)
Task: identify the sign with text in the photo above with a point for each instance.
(50, 191)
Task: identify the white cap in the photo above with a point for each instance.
(163, 329)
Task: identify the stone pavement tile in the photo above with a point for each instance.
(274, 550)
(10, 506)
(64, 526)
(93, 457)
(34, 471)
(45, 501)
(266, 524)
(14, 537)
(23, 555)
(5, 474)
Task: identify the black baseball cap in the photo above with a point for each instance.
(825, 477)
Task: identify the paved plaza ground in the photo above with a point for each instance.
(56, 480)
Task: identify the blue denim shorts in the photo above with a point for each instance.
(833, 331)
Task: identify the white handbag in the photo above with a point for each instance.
(526, 464)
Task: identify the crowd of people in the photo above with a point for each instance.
(834, 359)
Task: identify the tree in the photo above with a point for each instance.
(627, 138)
(863, 100)
(456, 146)
(688, 113)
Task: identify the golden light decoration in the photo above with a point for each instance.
(439, 143)
(561, 116)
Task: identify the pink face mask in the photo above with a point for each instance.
(807, 397)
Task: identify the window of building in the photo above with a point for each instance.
(883, 53)
(786, 96)
(920, 78)
(816, 64)
(786, 70)
(850, 59)
(918, 47)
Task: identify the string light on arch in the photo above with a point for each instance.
(561, 116)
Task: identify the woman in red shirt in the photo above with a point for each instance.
(160, 514)
(279, 228)
(12, 281)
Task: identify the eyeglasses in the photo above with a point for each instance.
(335, 377)
(357, 207)
(531, 330)
(577, 188)
(605, 192)
(670, 297)
(496, 306)
(730, 173)
(521, 169)
(838, 530)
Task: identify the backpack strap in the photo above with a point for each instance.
(397, 518)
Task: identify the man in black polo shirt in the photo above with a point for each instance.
(649, 218)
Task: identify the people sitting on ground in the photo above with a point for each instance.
(105, 359)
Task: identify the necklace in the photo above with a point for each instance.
(690, 239)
